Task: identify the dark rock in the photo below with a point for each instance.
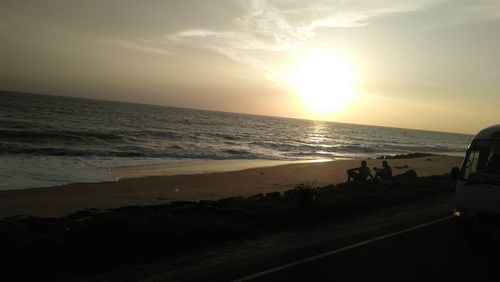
(273, 195)
(291, 193)
(230, 200)
(404, 156)
(406, 176)
(210, 210)
(256, 197)
(85, 213)
(206, 202)
(182, 204)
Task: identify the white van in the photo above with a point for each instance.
(478, 182)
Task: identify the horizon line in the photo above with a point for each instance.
(220, 111)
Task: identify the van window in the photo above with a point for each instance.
(482, 162)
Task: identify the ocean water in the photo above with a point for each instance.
(49, 140)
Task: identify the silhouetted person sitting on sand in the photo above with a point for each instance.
(385, 172)
(362, 173)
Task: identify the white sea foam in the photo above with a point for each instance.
(22, 171)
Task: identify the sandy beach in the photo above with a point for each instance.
(148, 185)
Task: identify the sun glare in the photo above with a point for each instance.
(324, 80)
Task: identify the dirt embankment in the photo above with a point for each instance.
(98, 240)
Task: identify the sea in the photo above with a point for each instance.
(52, 140)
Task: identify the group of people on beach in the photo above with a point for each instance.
(361, 173)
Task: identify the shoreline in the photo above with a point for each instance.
(51, 171)
(200, 167)
(151, 190)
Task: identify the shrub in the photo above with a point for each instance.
(305, 197)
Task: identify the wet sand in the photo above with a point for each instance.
(147, 185)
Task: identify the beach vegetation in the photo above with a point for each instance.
(305, 197)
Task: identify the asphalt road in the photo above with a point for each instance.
(440, 251)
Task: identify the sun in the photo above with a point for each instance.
(324, 80)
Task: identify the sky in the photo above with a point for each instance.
(424, 64)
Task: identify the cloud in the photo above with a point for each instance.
(143, 45)
(283, 26)
(484, 9)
